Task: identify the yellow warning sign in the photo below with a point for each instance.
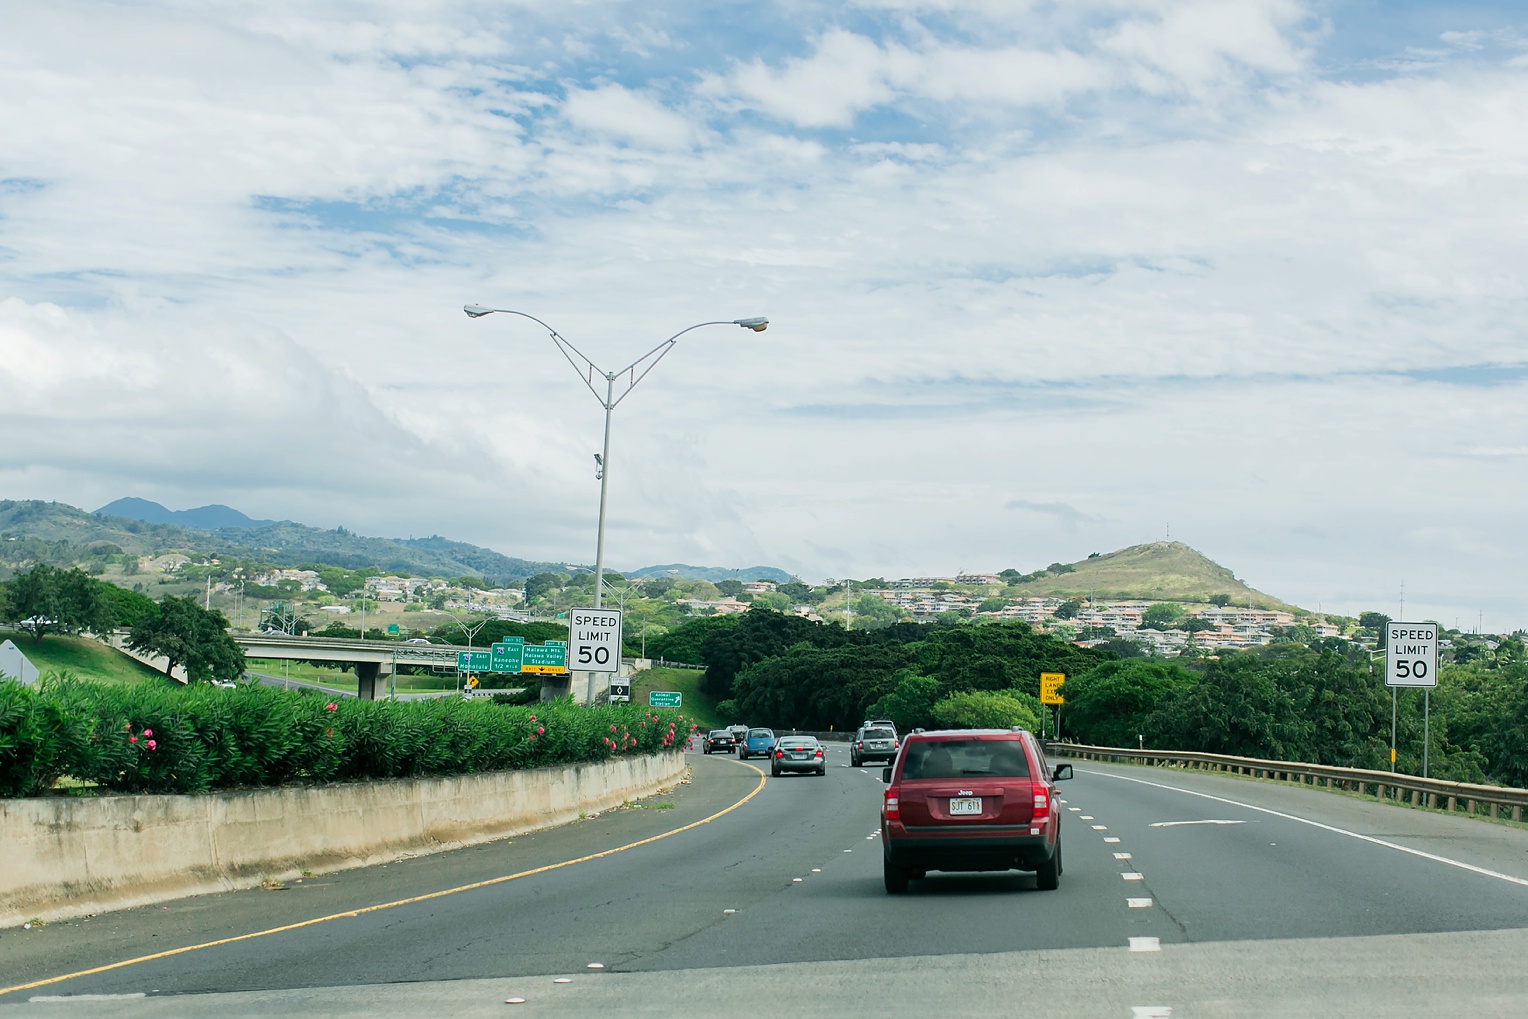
(1050, 687)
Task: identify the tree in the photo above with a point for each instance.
(1161, 616)
(1194, 624)
(541, 583)
(1068, 609)
(910, 704)
(729, 588)
(187, 634)
(1111, 705)
(987, 709)
(1221, 600)
(992, 605)
(46, 600)
(1376, 621)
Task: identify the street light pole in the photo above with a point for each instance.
(629, 376)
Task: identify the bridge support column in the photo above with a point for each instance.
(554, 686)
(366, 674)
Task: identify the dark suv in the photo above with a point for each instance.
(873, 743)
(971, 799)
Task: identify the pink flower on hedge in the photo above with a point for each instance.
(540, 729)
(612, 728)
(132, 739)
(533, 718)
(148, 732)
(533, 739)
(152, 744)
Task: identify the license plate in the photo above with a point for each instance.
(798, 757)
(966, 805)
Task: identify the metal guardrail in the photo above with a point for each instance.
(1388, 786)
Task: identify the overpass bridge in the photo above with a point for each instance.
(368, 656)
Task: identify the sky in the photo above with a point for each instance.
(1044, 279)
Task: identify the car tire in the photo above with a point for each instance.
(895, 877)
(774, 772)
(822, 772)
(855, 762)
(1048, 874)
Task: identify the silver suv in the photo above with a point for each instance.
(873, 742)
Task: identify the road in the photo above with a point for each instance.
(1293, 902)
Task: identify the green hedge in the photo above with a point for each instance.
(159, 739)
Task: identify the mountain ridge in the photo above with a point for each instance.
(213, 517)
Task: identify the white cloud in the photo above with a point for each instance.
(1139, 261)
(618, 112)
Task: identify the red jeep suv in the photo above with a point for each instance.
(971, 799)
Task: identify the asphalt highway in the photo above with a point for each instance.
(1190, 893)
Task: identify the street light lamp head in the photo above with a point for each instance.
(758, 324)
(477, 310)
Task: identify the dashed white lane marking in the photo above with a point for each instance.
(1110, 838)
(1077, 809)
(562, 980)
(1100, 827)
(1150, 1012)
(1133, 875)
(1484, 872)
(1145, 945)
(1122, 856)
(1086, 817)
(1138, 903)
(1063, 802)
(1177, 824)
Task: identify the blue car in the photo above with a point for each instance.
(758, 743)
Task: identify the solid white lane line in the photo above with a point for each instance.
(1122, 856)
(1131, 875)
(1145, 945)
(1138, 903)
(1434, 857)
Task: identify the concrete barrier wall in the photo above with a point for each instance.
(63, 857)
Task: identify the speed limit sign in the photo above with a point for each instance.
(594, 640)
(1413, 654)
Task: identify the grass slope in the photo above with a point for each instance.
(696, 705)
(86, 658)
(1160, 571)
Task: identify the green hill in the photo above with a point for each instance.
(1160, 571)
(82, 656)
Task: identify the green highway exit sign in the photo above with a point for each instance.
(664, 698)
(549, 657)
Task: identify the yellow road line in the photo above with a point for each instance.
(390, 905)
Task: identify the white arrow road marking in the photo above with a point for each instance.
(1175, 824)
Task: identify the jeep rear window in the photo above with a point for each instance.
(966, 758)
(879, 734)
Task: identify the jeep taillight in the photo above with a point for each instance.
(1042, 805)
(859, 744)
(892, 808)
